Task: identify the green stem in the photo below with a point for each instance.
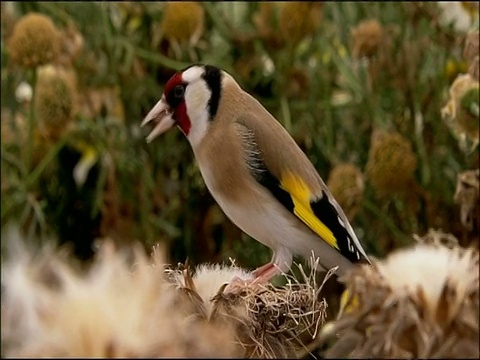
(31, 119)
(218, 20)
(387, 221)
(35, 174)
(160, 59)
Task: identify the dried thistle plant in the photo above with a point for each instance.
(391, 163)
(56, 98)
(183, 22)
(346, 183)
(420, 302)
(269, 321)
(471, 53)
(466, 196)
(121, 306)
(461, 113)
(366, 38)
(34, 41)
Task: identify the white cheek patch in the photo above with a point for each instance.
(197, 96)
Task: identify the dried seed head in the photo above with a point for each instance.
(466, 195)
(34, 41)
(120, 306)
(419, 302)
(298, 20)
(268, 321)
(461, 112)
(471, 49)
(367, 38)
(183, 21)
(55, 100)
(391, 163)
(346, 184)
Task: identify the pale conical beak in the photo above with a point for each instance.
(161, 115)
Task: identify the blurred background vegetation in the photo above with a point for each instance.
(382, 96)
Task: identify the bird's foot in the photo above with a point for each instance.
(261, 276)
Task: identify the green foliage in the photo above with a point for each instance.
(328, 96)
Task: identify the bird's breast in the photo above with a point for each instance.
(250, 207)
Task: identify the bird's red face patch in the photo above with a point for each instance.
(175, 95)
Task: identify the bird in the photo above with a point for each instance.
(256, 172)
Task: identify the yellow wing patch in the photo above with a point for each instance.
(301, 195)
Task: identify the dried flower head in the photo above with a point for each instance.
(391, 163)
(471, 53)
(266, 22)
(471, 49)
(457, 15)
(367, 38)
(346, 184)
(34, 41)
(121, 306)
(183, 21)
(298, 20)
(268, 321)
(461, 113)
(419, 302)
(299, 83)
(55, 100)
(467, 197)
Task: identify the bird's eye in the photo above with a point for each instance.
(179, 91)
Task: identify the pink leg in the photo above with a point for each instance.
(264, 273)
(261, 269)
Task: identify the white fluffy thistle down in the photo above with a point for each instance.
(424, 272)
(121, 306)
(208, 280)
(419, 302)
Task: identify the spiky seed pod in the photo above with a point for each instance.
(459, 113)
(269, 322)
(183, 21)
(419, 302)
(391, 163)
(367, 38)
(298, 20)
(467, 196)
(55, 100)
(347, 186)
(120, 306)
(35, 41)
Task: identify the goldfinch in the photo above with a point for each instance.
(255, 171)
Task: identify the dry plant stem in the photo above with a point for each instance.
(422, 152)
